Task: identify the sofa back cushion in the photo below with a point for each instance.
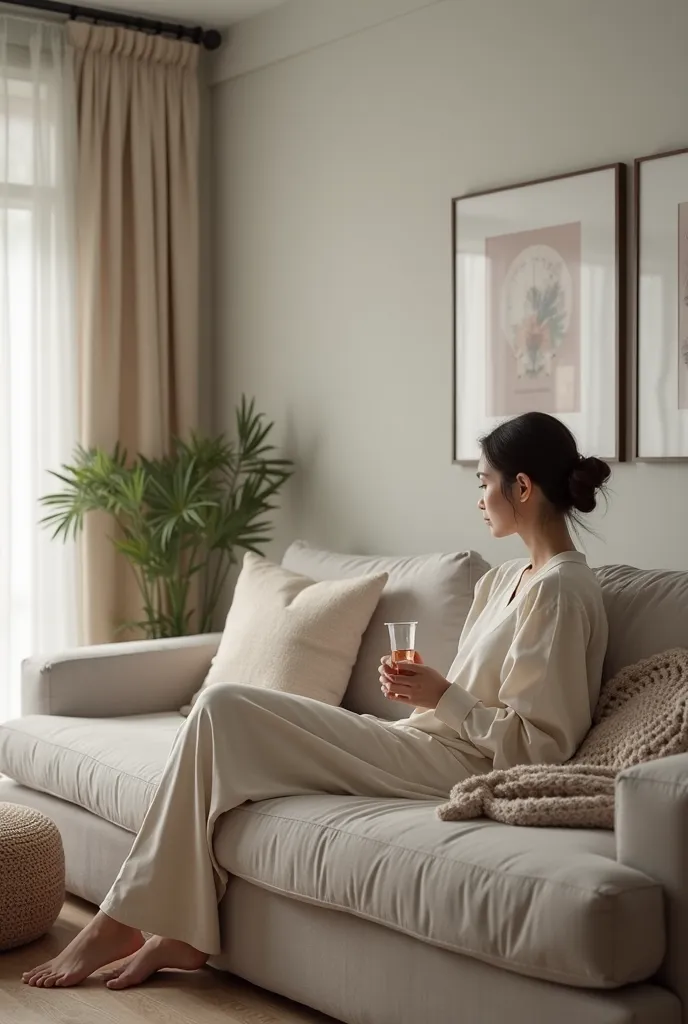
(436, 590)
(286, 631)
(647, 611)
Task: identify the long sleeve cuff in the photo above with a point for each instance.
(454, 707)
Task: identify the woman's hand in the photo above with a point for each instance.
(415, 684)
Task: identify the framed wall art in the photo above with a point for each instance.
(538, 308)
(661, 242)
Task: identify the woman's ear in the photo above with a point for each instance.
(525, 487)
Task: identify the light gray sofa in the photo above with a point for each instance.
(375, 911)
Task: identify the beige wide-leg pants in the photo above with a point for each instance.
(242, 743)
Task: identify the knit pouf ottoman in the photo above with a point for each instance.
(32, 875)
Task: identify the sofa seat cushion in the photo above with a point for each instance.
(551, 904)
(110, 766)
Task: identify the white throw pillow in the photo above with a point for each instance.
(437, 590)
(286, 632)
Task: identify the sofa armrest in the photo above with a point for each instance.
(137, 678)
(652, 836)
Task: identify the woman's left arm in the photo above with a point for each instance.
(544, 692)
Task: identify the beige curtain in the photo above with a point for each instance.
(137, 266)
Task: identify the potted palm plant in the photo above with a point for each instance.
(177, 519)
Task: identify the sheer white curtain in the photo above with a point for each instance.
(38, 366)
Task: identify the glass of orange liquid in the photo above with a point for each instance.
(402, 640)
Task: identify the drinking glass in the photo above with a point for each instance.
(402, 640)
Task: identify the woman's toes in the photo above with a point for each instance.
(34, 972)
(129, 976)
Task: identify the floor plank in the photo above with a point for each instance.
(204, 997)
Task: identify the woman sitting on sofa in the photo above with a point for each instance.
(521, 690)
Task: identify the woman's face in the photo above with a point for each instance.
(498, 512)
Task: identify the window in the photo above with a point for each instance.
(37, 343)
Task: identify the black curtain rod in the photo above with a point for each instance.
(210, 39)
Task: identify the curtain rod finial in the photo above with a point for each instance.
(212, 40)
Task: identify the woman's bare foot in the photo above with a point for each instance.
(101, 942)
(155, 955)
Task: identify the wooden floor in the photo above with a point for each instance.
(204, 997)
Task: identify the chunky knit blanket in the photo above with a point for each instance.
(642, 714)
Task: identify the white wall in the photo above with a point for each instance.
(339, 142)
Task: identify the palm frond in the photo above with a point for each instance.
(179, 516)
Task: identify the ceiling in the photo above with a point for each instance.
(208, 13)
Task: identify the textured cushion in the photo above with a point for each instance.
(647, 611)
(436, 590)
(110, 766)
(552, 904)
(286, 632)
(32, 875)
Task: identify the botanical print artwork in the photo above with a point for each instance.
(533, 321)
(683, 306)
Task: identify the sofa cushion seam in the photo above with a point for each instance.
(644, 780)
(87, 810)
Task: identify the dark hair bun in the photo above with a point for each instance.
(585, 480)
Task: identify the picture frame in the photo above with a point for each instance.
(661, 306)
(539, 290)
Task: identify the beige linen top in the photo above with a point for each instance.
(527, 674)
